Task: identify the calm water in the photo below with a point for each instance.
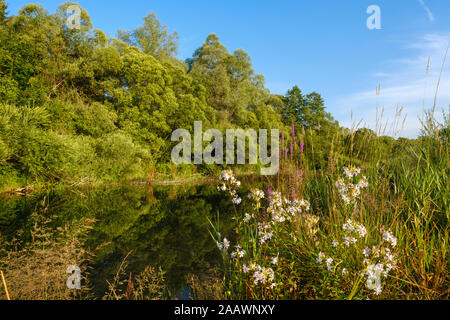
(165, 226)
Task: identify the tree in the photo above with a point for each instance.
(308, 111)
(153, 38)
(233, 89)
(293, 104)
(3, 12)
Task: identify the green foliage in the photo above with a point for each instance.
(94, 120)
(308, 111)
(3, 12)
(233, 89)
(153, 38)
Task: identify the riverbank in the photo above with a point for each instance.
(40, 187)
(159, 180)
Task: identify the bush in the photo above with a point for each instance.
(119, 158)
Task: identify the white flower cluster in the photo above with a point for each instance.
(239, 253)
(348, 189)
(223, 245)
(236, 200)
(264, 232)
(256, 195)
(373, 273)
(382, 261)
(283, 209)
(320, 257)
(352, 231)
(389, 237)
(378, 260)
(351, 172)
(328, 260)
(230, 183)
(261, 275)
(228, 176)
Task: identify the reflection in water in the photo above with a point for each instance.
(164, 226)
(150, 195)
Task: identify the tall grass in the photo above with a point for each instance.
(407, 197)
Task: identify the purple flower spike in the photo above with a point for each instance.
(269, 194)
(301, 146)
(293, 134)
(292, 151)
(282, 140)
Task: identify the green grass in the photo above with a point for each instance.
(407, 195)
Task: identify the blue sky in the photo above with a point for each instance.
(322, 46)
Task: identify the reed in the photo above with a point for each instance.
(5, 286)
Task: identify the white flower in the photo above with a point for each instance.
(239, 253)
(362, 231)
(345, 198)
(226, 243)
(256, 194)
(263, 275)
(347, 240)
(237, 200)
(223, 245)
(373, 273)
(348, 191)
(378, 289)
(390, 257)
(321, 256)
(264, 233)
(357, 229)
(329, 262)
(389, 237)
(366, 252)
(363, 183)
(245, 269)
(335, 243)
(344, 271)
(348, 226)
(389, 267)
(351, 172)
(274, 260)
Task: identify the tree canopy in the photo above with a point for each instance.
(96, 107)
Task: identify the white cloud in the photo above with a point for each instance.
(381, 75)
(406, 85)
